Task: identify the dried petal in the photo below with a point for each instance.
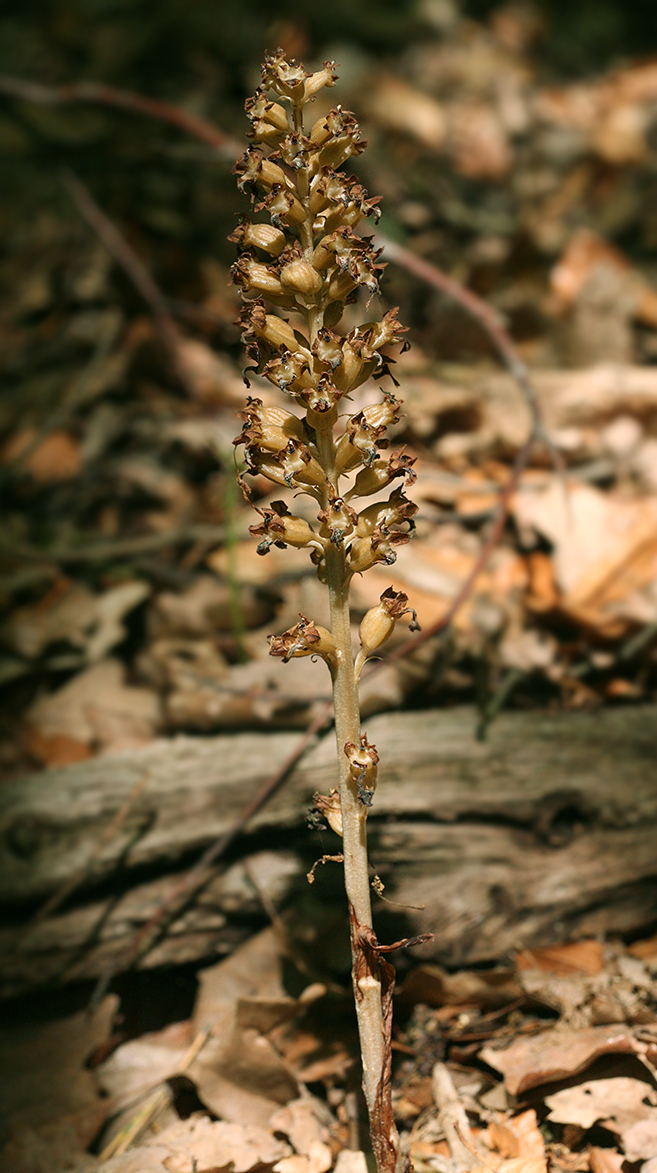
(304, 639)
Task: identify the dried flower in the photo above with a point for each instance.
(379, 622)
(304, 639)
(296, 274)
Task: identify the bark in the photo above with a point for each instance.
(543, 833)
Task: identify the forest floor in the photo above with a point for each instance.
(135, 606)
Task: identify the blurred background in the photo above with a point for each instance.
(514, 146)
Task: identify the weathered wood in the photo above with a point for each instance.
(545, 831)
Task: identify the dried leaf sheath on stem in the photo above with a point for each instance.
(308, 263)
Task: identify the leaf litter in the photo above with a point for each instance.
(133, 609)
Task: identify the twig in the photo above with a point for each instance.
(127, 258)
(104, 95)
(198, 874)
(157, 1102)
(502, 512)
(69, 886)
(488, 319)
(453, 1117)
(72, 398)
(114, 547)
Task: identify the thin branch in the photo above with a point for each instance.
(501, 514)
(490, 322)
(197, 875)
(127, 258)
(70, 885)
(104, 95)
(106, 551)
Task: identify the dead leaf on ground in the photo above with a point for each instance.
(434, 986)
(605, 552)
(555, 1054)
(138, 1066)
(575, 957)
(200, 1145)
(57, 457)
(96, 710)
(239, 1070)
(48, 1095)
(71, 614)
(605, 1160)
(517, 1136)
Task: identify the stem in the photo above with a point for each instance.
(367, 989)
(367, 986)
(367, 992)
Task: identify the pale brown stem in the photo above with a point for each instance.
(367, 986)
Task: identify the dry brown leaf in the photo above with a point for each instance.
(478, 142)
(140, 1065)
(293, 1164)
(304, 1123)
(605, 1160)
(58, 457)
(640, 1139)
(72, 614)
(605, 554)
(577, 957)
(517, 1136)
(433, 986)
(205, 608)
(400, 107)
(199, 1145)
(618, 1101)
(644, 949)
(239, 1071)
(585, 252)
(211, 376)
(554, 1054)
(48, 1095)
(95, 710)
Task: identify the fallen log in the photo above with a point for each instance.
(544, 832)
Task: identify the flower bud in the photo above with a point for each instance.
(260, 107)
(357, 446)
(304, 639)
(379, 474)
(379, 622)
(338, 521)
(394, 511)
(277, 332)
(367, 552)
(302, 466)
(255, 168)
(352, 371)
(264, 236)
(329, 806)
(363, 760)
(281, 528)
(257, 277)
(317, 81)
(301, 277)
(270, 428)
(283, 207)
